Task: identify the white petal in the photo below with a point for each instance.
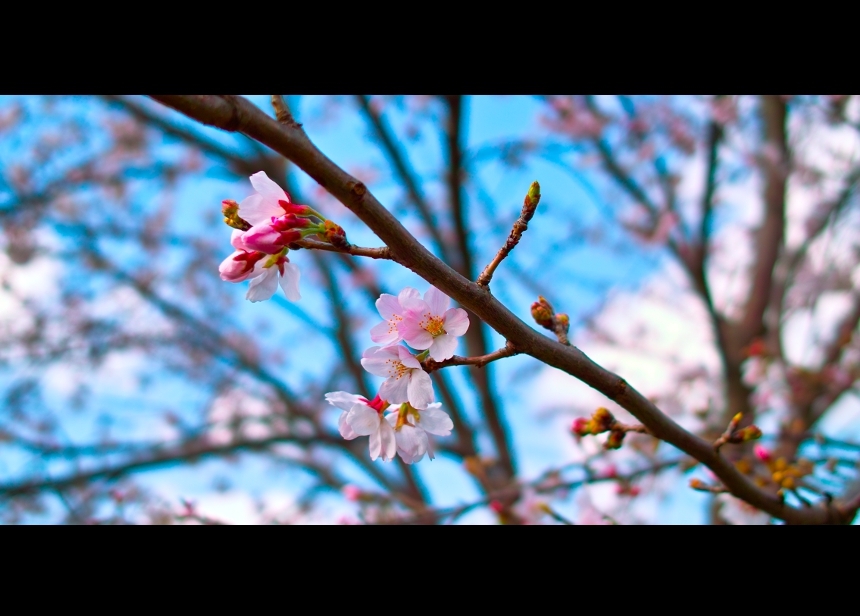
(342, 399)
(263, 287)
(420, 390)
(380, 361)
(269, 189)
(388, 444)
(437, 301)
(412, 441)
(344, 428)
(257, 210)
(395, 390)
(443, 347)
(456, 321)
(363, 419)
(290, 282)
(375, 445)
(436, 422)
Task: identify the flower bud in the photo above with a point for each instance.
(616, 437)
(542, 313)
(230, 210)
(334, 234)
(750, 433)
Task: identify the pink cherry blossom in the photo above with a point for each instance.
(406, 382)
(273, 235)
(240, 265)
(269, 201)
(361, 417)
(391, 309)
(429, 324)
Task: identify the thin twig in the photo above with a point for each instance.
(358, 251)
(522, 223)
(431, 365)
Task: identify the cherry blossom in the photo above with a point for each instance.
(240, 265)
(268, 202)
(362, 417)
(411, 427)
(391, 309)
(406, 382)
(429, 324)
(273, 235)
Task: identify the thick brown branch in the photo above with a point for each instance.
(235, 113)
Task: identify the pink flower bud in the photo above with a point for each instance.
(239, 266)
(351, 492)
(762, 453)
(271, 237)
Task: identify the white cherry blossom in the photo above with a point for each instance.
(411, 427)
(361, 417)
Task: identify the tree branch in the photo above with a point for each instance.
(237, 114)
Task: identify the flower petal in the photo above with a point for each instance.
(411, 441)
(236, 240)
(436, 422)
(380, 361)
(269, 189)
(388, 306)
(437, 301)
(342, 399)
(456, 321)
(415, 336)
(363, 419)
(384, 333)
(290, 281)
(263, 287)
(443, 347)
(407, 358)
(420, 389)
(396, 389)
(256, 210)
(344, 428)
(388, 445)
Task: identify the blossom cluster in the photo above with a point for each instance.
(404, 412)
(429, 326)
(264, 225)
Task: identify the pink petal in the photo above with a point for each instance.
(437, 301)
(384, 333)
(236, 240)
(407, 358)
(414, 305)
(263, 287)
(256, 210)
(420, 389)
(415, 336)
(408, 293)
(290, 282)
(456, 321)
(388, 306)
(443, 347)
